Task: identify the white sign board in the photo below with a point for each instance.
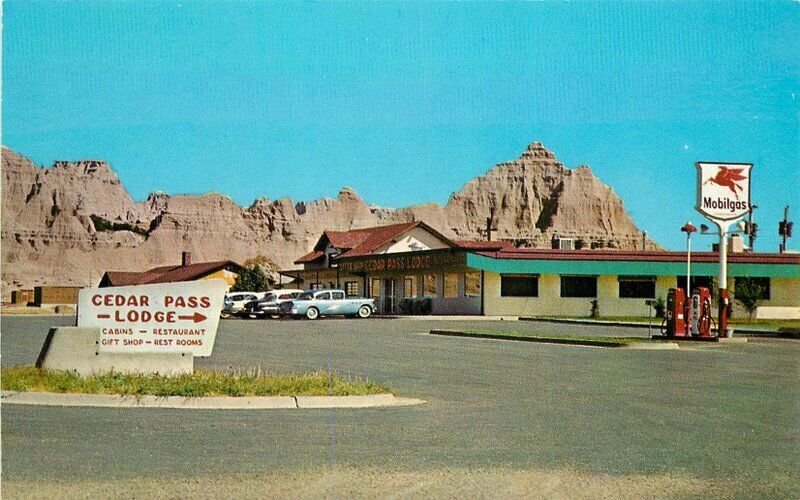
(166, 317)
(723, 191)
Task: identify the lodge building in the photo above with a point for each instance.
(413, 269)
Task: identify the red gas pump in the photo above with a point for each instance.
(675, 315)
(701, 312)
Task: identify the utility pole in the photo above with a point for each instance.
(490, 224)
(785, 228)
(751, 232)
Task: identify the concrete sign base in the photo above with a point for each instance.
(77, 349)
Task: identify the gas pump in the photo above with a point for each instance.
(701, 312)
(675, 316)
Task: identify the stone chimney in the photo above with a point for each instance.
(186, 259)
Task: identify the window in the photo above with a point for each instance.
(450, 285)
(472, 284)
(429, 285)
(408, 287)
(579, 286)
(351, 288)
(284, 296)
(637, 287)
(519, 286)
(337, 295)
(375, 288)
(761, 283)
(324, 296)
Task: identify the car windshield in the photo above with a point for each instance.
(305, 296)
(270, 297)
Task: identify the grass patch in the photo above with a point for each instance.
(252, 382)
(553, 339)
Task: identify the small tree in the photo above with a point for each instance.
(265, 263)
(251, 280)
(748, 292)
(595, 309)
(660, 307)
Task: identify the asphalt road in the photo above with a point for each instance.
(722, 414)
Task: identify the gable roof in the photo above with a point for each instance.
(346, 240)
(365, 241)
(382, 235)
(165, 274)
(310, 257)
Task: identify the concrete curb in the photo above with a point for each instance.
(599, 343)
(448, 318)
(205, 403)
(655, 326)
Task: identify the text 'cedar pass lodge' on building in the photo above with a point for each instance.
(413, 269)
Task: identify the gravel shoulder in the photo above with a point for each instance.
(372, 482)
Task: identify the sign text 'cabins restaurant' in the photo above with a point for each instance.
(413, 269)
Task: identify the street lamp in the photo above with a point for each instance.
(688, 228)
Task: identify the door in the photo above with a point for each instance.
(388, 296)
(323, 302)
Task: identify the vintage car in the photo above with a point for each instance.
(315, 303)
(268, 306)
(234, 302)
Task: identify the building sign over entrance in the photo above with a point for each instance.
(403, 262)
(168, 317)
(723, 190)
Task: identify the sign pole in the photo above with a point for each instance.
(723, 330)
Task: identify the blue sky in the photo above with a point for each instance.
(406, 102)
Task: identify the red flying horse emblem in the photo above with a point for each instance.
(729, 177)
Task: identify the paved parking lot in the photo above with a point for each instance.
(721, 417)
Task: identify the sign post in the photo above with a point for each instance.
(723, 196)
(161, 318)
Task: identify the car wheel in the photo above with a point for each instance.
(312, 313)
(225, 314)
(273, 316)
(364, 312)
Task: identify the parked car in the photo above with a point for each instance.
(315, 303)
(234, 302)
(268, 306)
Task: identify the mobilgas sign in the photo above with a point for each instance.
(403, 262)
(168, 317)
(723, 190)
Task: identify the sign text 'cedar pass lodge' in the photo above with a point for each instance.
(168, 317)
(723, 190)
(411, 261)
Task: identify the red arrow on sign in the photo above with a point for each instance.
(196, 317)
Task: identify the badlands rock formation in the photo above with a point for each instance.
(69, 223)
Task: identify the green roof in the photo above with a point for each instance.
(622, 267)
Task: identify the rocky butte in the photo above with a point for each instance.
(68, 223)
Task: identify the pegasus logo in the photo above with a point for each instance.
(729, 178)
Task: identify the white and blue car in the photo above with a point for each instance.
(315, 303)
